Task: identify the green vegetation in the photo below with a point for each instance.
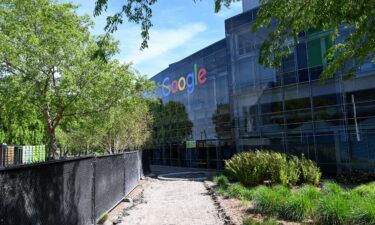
(332, 208)
(293, 18)
(222, 181)
(299, 205)
(255, 167)
(240, 192)
(330, 205)
(367, 190)
(251, 221)
(54, 89)
(270, 201)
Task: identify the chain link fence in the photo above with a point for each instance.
(70, 192)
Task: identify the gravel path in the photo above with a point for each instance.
(174, 203)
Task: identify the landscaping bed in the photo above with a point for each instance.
(291, 193)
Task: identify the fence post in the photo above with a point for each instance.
(93, 214)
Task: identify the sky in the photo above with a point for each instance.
(180, 28)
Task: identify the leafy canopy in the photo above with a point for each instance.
(47, 67)
(293, 17)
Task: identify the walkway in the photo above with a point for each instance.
(174, 202)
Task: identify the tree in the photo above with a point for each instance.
(124, 126)
(293, 18)
(47, 52)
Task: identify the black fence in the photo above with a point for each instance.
(68, 192)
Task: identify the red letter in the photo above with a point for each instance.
(174, 87)
(202, 72)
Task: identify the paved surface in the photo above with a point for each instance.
(174, 202)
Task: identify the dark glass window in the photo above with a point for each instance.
(300, 103)
(300, 143)
(303, 75)
(290, 78)
(325, 100)
(325, 145)
(362, 95)
(314, 52)
(301, 56)
(288, 63)
(315, 72)
(274, 143)
(246, 75)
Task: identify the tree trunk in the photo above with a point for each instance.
(50, 132)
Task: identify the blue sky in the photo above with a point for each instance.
(181, 27)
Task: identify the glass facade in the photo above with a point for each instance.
(243, 106)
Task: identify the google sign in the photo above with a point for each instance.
(182, 83)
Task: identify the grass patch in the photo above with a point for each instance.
(332, 188)
(330, 205)
(240, 192)
(299, 206)
(366, 190)
(363, 211)
(221, 181)
(251, 221)
(332, 208)
(270, 201)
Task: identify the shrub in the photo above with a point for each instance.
(241, 192)
(290, 172)
(332, 208)
(251, 221)
(253, 168)
(221, 181)
(310, 173)
(270, 201)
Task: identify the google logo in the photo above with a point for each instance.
(192, 79)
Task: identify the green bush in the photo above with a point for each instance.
(270, 201)
(333, 208)
(310, 173)
(253, 168)
(241, 192)
(290, 172)
(251, 221)
(222, 181)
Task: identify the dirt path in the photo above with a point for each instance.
(174, 203)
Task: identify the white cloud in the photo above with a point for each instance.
(163, 41)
